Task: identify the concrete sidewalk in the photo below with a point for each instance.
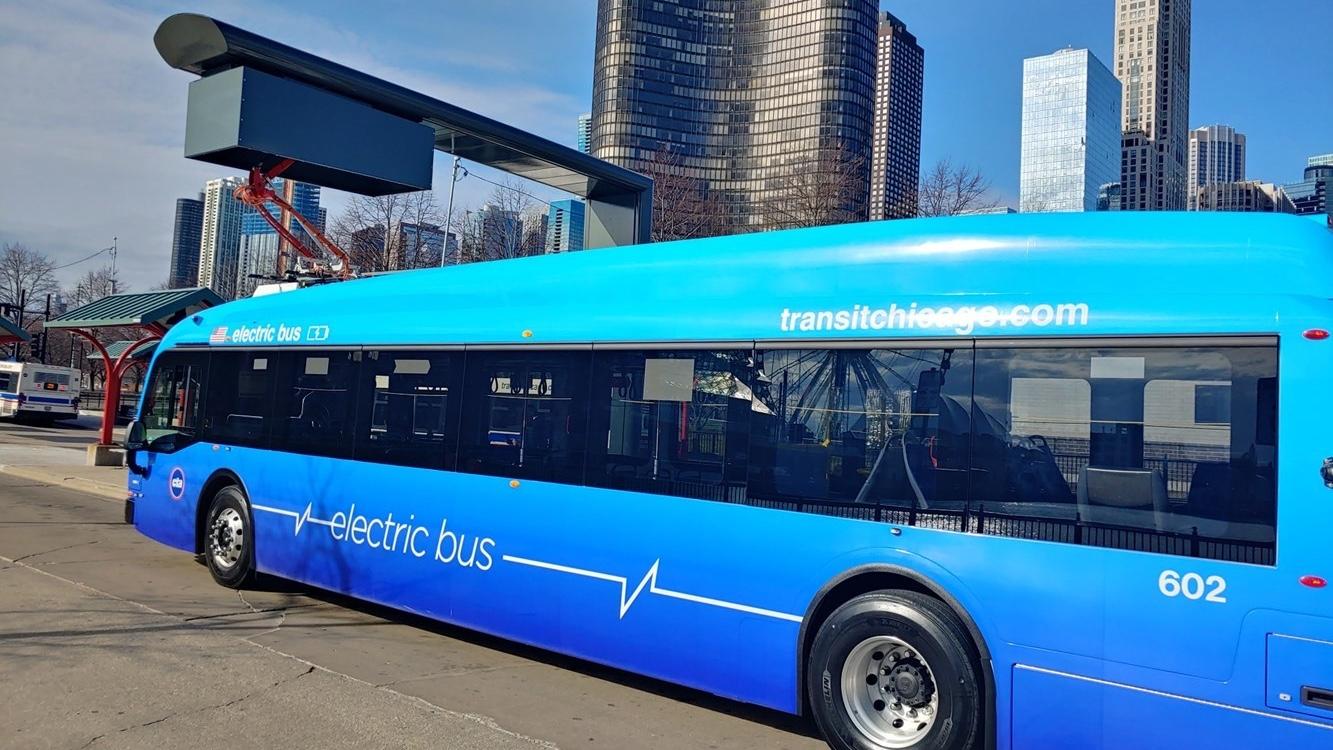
(107, 482)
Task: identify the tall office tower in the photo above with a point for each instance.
(185, 237)
(1071, 132)
(1216, 154)
(500, 231)
(895, 162)
(564, 226)
(305, 199)
(257, 259)
(585, 133)
(220, 238)
(1152, 61)
(1310, 195)
(755, 101)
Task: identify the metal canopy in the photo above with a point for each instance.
(138, 309)
(10, 332)
(619, 201)
(117, 348)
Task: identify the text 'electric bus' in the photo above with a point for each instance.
(1018, 481)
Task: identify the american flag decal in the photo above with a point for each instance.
(219, 335)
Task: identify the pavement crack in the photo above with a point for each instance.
(205, 709)
(282, 615)
(49, 551)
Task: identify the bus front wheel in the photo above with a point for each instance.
(895, 669)
(229, 546)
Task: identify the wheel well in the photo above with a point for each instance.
(863, 581)
(220, 479)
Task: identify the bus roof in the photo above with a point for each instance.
(1006, 275)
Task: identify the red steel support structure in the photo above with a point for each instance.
(149, 313)
(115, 373)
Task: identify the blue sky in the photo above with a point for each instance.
(89, 109)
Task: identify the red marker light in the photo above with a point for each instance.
(1316, 334)
(1314, 582)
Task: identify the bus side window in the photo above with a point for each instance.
(315, 402)
(866, 433)
(672, 422)
(525, 414)
(408, 404)
(238, 406)
(1158, 449)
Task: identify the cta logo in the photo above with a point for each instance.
(176, 483)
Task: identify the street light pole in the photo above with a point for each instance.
(449, 212)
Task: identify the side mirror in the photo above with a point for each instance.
(136, 438)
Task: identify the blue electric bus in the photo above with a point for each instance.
(991, 481)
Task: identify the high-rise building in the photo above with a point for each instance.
(564, 226)
(895, 161)
(1310, 195)
(420, 245)
(1071, 131)
(220, 238)
(1108, 197)
(750, 96)
(1244, 195)
(1216, 154)
(305, 199)
(257, 262)
(585, 133)
(501, 232)
(185, 238)
(1152, 61)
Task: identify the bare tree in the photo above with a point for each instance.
(683, 205)
(949, 190)
(391, 232)
(23, 270)
(495, 231)
(535, 224)
(828, 189)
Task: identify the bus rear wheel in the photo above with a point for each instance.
(229, 548)
(894, 670)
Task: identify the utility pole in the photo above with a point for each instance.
(113, 265)
(449, 213)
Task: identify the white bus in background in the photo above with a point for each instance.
(37, 391)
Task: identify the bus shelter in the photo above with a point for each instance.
(151, 314)
(11, 333)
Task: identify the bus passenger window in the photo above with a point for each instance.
(877, 434)
(314, 402)
(409, 408)
(170, 414)
(525, 414)
(238, 408)
(671, 422)
(1163, 449)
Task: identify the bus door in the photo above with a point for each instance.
(170, 416)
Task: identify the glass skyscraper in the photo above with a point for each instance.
(305, 199)
(585, 133)
(1071, 131)
(564, 226)
(185, 238)
(747, 95)
(1310, 195)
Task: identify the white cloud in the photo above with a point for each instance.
(92, 123)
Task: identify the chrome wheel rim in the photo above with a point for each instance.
(226, 538)
(889, 692)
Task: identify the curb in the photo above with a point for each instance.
(54, 476)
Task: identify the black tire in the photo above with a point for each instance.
(229, 538)
(937, 637)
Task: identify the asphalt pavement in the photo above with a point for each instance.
(109, 640)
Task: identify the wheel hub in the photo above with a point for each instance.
(227, 538)
(889, 692)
